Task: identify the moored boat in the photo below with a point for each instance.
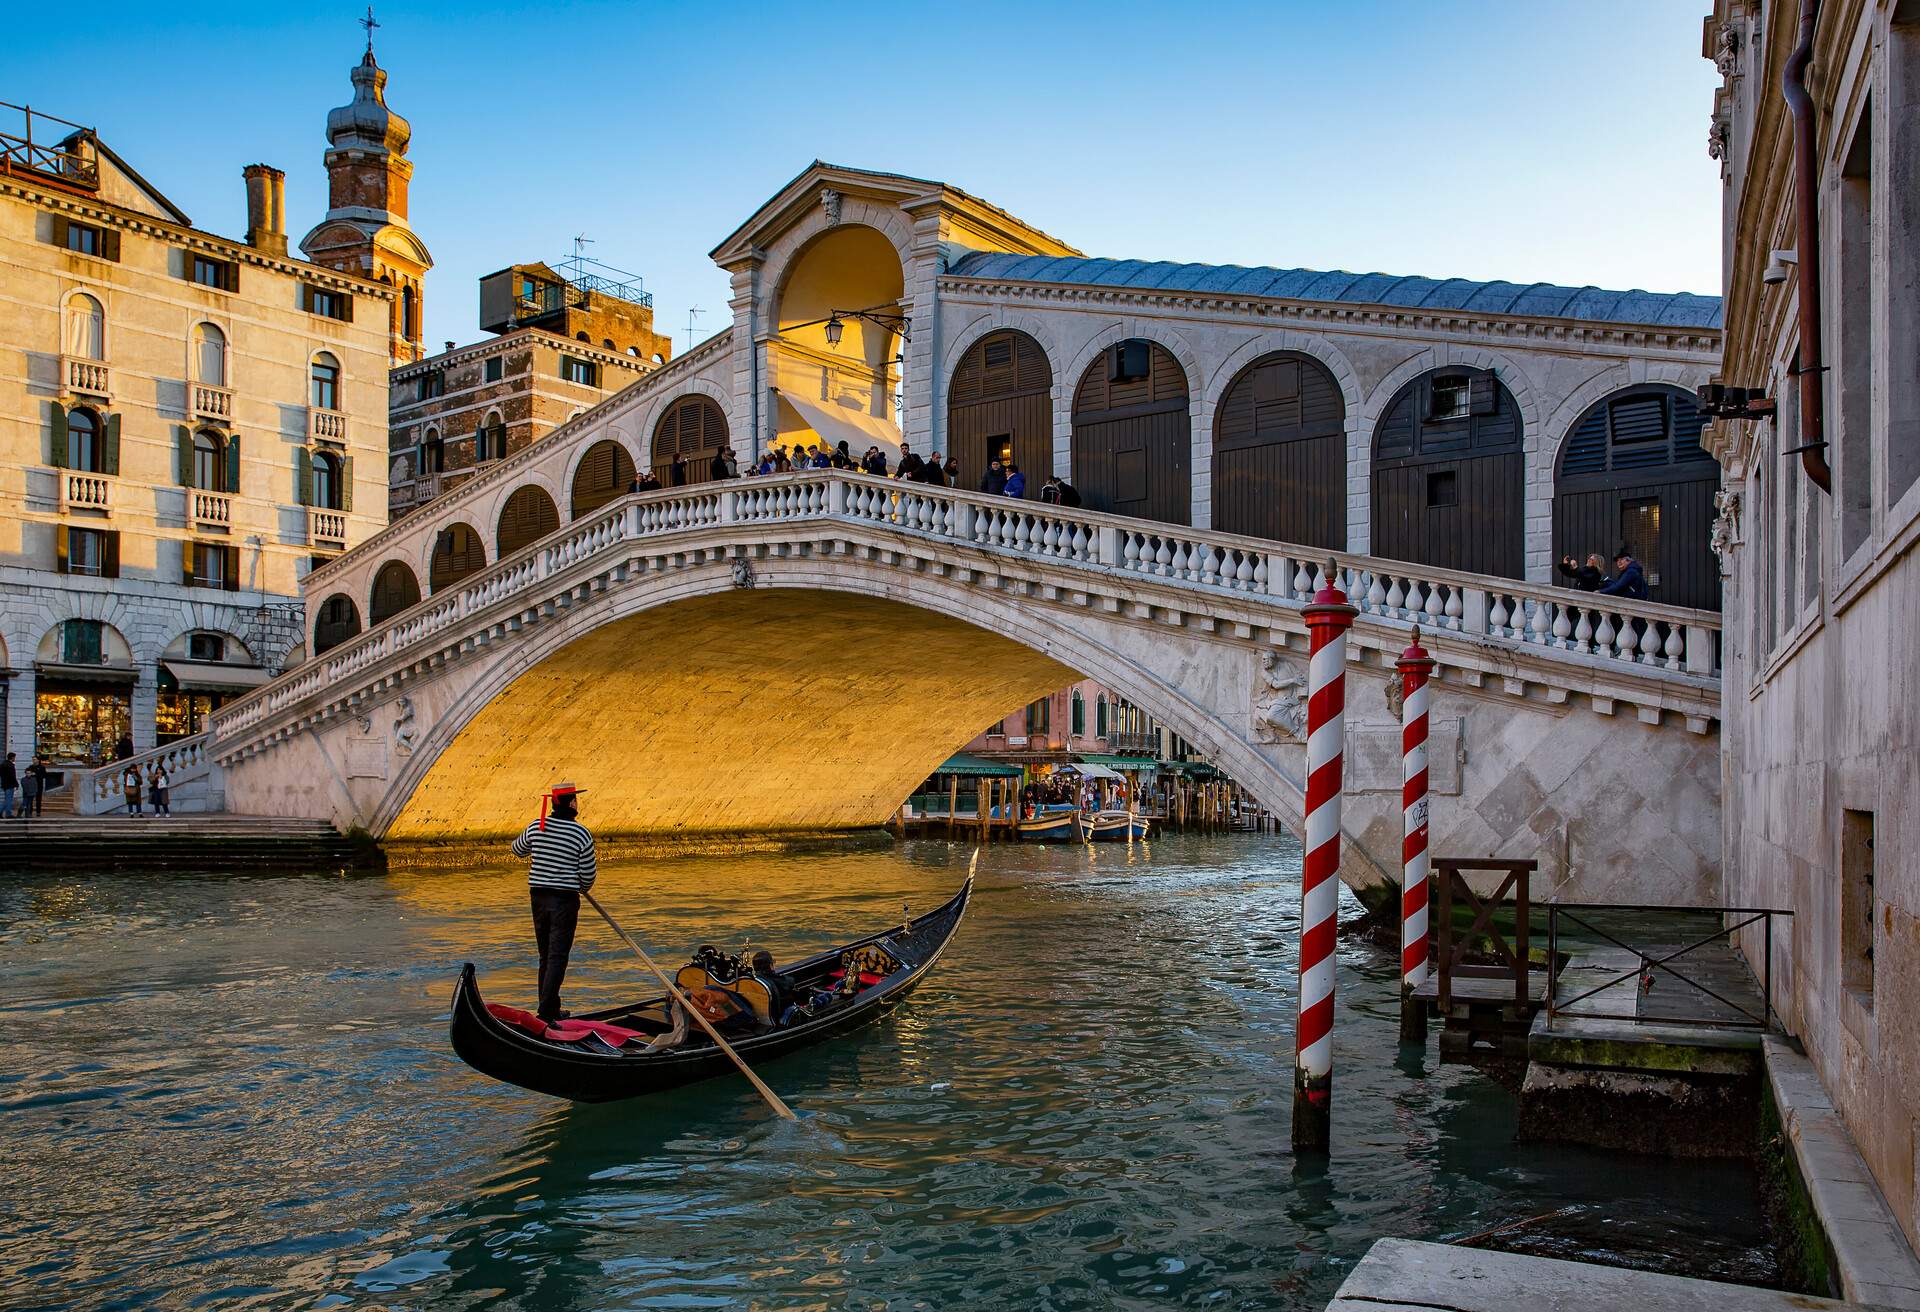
(1062, 826)
(1117, 827)
(600, 1057)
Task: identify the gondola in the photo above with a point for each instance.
(589, 1069)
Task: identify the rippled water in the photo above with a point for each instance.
(237, 1092)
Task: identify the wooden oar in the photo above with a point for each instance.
(773, 1099)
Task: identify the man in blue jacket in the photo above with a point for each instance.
(1628, 580)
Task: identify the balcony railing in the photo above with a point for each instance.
(1125, 743)
(81, 377)
(83, 491)
(214, 403)
(20, 153)
(212, 509)
(326, 528)
(326, 425)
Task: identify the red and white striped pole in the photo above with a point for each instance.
(1415, 665)
(1328, 619)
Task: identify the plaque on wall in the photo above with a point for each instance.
(1374, 758)
(366, 758)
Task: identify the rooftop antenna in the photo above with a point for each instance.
(369, 22)
(690, 314)
(580, 245)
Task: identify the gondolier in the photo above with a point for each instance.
(563, 866)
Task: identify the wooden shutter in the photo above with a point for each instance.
(1483, 394)
(109, 554)
(346, 485)
(110, 446)
(231, 574)
(183, 454)
(303, 475)
(60, 230)
(345, 302)
(306, 297)
(230, 276)
(233, 462)
(58, 414)
(60, 548)
(110, 244)
(188, 550)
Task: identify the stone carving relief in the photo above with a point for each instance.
(1726, 50)
(830, 202)
(404, 733)
(1280, 700)
(1726, 525)
(1717, 139)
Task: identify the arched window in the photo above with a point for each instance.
(394, 590)
(209, 462)
(528, 516)
(1280, 453)
(490, 440)
(326, 480)
(584, 338)
(84, 451)
(607, 343)
(209, 355)
(1131, 444)
(433, 453)
(1632, 471)
(606, 472)
(1449, 474)
(326, 382)
(457, 552)
(338, 620)
(1000, 407)
(409, 315)
(86, 327)
(694, 429)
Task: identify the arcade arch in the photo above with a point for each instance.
(1000, 406)
(1132, 444)
(528, 516)
(1449, 474)
(837, 352)
(1279, 453)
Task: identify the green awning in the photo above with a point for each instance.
(962, 763)
(1119, 762)
(1198, 769)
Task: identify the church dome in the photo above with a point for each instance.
(367, 122)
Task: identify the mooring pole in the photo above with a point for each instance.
(1415, 666)
(1328, 619)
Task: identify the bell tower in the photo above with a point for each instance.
(365, 230)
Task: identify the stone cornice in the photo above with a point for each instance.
(1700, 342)
(479, 350)
(191, 238)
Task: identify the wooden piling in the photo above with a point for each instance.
(953, 804)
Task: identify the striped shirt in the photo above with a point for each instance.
(562, 853)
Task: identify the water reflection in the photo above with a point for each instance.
(238, 1090)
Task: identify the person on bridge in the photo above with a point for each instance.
(909, 462)
(1587, 577)
(994, 481)
(1629, 579)
(1016, 481)
(932, 472)
(562, 867)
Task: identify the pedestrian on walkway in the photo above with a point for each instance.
(994, 481)
(1016, 481)
(31, 786)
(562, 867)
(160, 787)
(1629, 579)
(9, 785)
(130, 786)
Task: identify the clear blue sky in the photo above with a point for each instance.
(1519, 139)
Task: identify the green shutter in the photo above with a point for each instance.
(233, 462)
(1079, 715)
(230, 276)
(183, 454)
(1100, 718)
(110, 447)
(109, 554)
(58, 451)
(303, 476)
(110, 244)
(60, 230)
(60, 548)
(346, 485)
(232, 571)
(346, 308)
(306, 297)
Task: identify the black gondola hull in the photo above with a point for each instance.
(514, 1056)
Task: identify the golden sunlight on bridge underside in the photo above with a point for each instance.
(757, 710)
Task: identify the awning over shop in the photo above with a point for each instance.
(1121, 762)
(1093, 771)
(857, 428)
(198, 676)
(60, 671)
(1196, 769)
(962, 763)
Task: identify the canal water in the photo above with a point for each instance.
(237, 1092)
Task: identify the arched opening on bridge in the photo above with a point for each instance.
(1280, 453)
(528, 516)
(337, 620)
(1000, 407)
(654, 712)
(457, 552)
(1632, 471)
(1131, 434)
(694, 428)
(394, 590)
(1449, 474)
(605, 474)
(836, 356)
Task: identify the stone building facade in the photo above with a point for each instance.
(187, 424)
(1819, 519)
(562, 345)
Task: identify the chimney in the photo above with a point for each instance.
(266, 208)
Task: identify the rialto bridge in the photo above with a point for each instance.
(797, 653)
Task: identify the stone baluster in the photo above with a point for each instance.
(1676, 647)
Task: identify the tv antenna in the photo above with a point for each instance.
(695, 310)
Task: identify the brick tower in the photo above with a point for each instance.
(365, 230)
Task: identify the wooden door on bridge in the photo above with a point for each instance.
(1449, 475)
(457, 552)
(605, 474)
(528, 516)
(1280, 453)
(1000, 404)
(1132, 442)
(694, 429)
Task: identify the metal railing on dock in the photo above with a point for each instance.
(1657, 937)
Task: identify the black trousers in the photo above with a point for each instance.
(555, 916)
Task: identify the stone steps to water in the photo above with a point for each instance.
(178, 844)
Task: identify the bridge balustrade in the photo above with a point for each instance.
(1555, 622)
